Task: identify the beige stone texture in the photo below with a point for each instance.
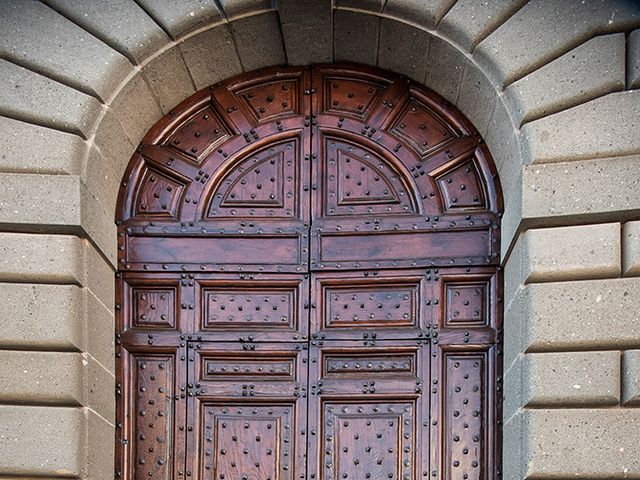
(211, 56)
(169, 64)
(403, 49)
(564, 253)
(259, 41)
(28, 148)
(307, 42)
(631, 249)
(180, 18)
(580, 443)
(578, 315)
(633, 59)
(604, 127)
(66, 53)
(428, 14)
(591, 70)
(355, 37)
(42, 441)
(561, 380)
(631, 377)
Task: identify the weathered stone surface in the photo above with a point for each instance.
(36, 37)
(574, 378)
(211, 56)
(121, 24)
(403, 49)
(633, 59)
(356, 36)
(25, 308)
(631, 377)
(470, 21)
(580, 443)
(259, 41)
(46, 258)
(99, 326)
(502, 142)
(371, 5)
(180, 18)
(427, 13)
(591, 314)
(62, 378)
(98, 276)
(41, 441)
(28, 148)
(37, 99)
(307, 41)
(136, 108)
(566, 253)
(102, 180)
(100, 446)
(444, 68)
(234, 8)
(591, 70)
(599, 189)
(477, 97)
(169, 64)
(631, 249)
(98, 225)
(42, 200)
(543, 30)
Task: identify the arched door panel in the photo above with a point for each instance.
(308, 285)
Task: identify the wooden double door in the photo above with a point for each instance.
(308, 286)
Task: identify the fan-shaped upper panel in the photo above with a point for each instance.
(322, 155)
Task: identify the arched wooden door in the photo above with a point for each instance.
(309, 285)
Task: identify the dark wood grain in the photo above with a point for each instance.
(309, 285)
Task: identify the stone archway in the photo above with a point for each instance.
(544, 82)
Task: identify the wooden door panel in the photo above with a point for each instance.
(269, 307)
(248, 406)
(367, 410)
(369, 305)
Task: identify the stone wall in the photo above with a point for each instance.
(552, 85)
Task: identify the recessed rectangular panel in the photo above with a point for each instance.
(464, 418)
(216, 250)
(264, 308)
(368, 439)
(151, 303)
(353, 304)
(248, 367)
(151, 392)
(248, 440)
(381, 364)
(364, 250)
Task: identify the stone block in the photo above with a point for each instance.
(571, 379)
(633, 59)
(28, 148)
(180, 18)
(102, 180)
(371, 5)
(403, 49)
(566, 253)
(42, 441)
(27, 96)
(100, 325)
(444, 68)
(259, 41)
(591, 70)
(631, 377)
(502, 142)
(425, 13)
(45, 317)
(122, 25)
(236, 8)
(211, 56)
(34, 36)
(98, 275)
(580, 443)
(41, 258)
(598, 190)
(631, 248)
(40, 201)
(98, 225)
(477, 97)
(543, 30)
(307, 29)
(356, 36)
(136, 108)
(471, 21)
(98, 387)
(589, 314)
(99, 447)
(169, 65)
